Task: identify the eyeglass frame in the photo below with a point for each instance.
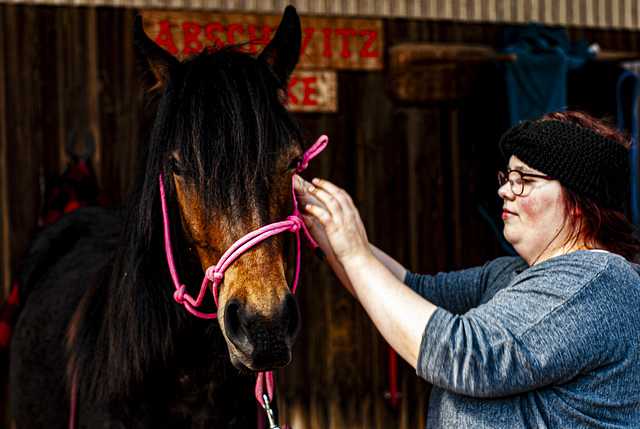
(503, 179)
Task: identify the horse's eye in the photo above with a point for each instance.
(175, 166)
(294, 164)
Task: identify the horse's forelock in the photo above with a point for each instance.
(228, 124)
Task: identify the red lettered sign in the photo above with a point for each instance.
(327, 43)
(313, 91)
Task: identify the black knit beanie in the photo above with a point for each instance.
(581, 159)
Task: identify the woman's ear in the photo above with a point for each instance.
(576, 211)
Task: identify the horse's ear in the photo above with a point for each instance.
(152, 57)
(283, 51)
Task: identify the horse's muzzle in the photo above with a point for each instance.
(262, 342)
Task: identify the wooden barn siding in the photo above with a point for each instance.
(618, 14)
(415, 172)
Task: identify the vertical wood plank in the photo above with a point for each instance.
(92, 89)
(53, 154)
(62, 23)
(5, 251)
(24, 144)
(457, 190)
(5, 248)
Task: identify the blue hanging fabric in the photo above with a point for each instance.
(537, 80)
(628, 113)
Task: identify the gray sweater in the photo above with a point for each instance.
(554, 345)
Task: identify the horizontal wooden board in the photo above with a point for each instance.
(437, 72)
(609, 14)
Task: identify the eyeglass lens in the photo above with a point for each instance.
(515, 181)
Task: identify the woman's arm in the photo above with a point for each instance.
(373, 277)
(392, 265)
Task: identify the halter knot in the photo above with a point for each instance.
(178, 295)
(214, 275)
(317, 147)
(296, 223)
(304, 164)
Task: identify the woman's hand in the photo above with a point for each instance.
(308, 202)
(305, 197)
(374, 278)
(334, 209)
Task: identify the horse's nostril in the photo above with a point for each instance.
(265, 341)
(293, 317)
(235, 327)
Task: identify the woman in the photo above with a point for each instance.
(547, 339)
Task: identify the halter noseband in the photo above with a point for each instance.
(215, 273)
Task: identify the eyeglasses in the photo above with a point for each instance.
(517, 180)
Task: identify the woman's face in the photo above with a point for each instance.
(535, 222)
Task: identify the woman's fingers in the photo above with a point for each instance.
(328, 203)
(301, 189)
(335, 191)
(340, 219)
(300, 185)
(321, 214)
(336, 200)
(303, 193)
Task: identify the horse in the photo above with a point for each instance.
(100, 340)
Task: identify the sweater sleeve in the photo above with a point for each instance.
(549, 324)
(459, 291)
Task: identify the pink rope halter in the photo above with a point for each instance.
(215, 273)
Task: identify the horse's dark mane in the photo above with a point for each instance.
(222, 121)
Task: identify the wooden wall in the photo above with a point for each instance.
(417, 173)
(618, 14)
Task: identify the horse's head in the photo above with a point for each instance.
(227, 148)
